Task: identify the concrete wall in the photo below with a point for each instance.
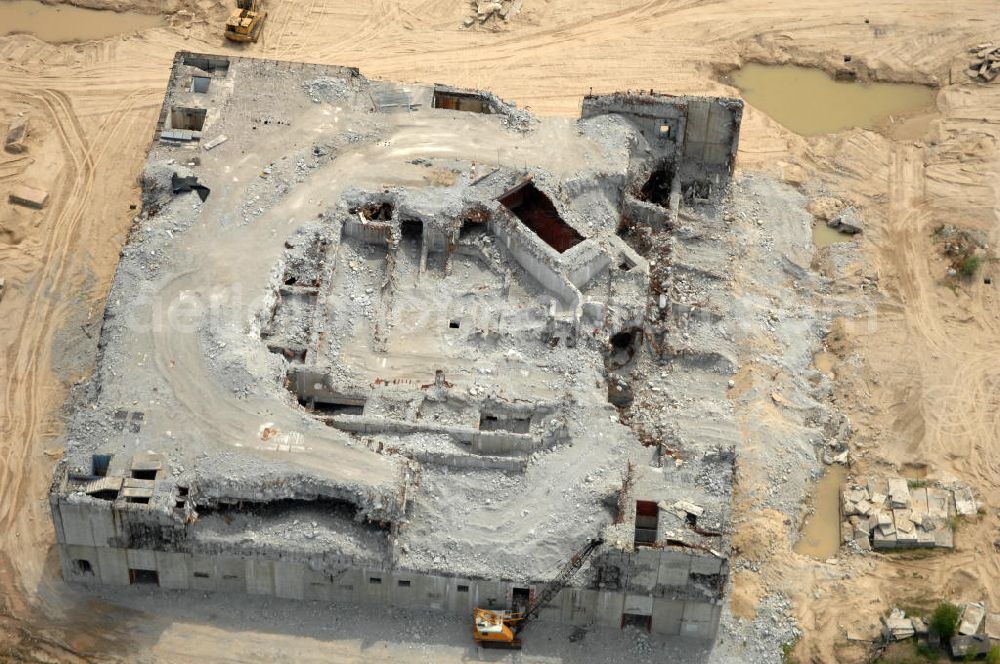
(297, 580)
(373, 232)
(480, 442)
(529, 254)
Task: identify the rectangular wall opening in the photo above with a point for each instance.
(334, 406)
(143, 474)
(647, 516)
(210, 65)
(99, 464)
(144, 577)
(187, 118)
(412, 229)
(644, 623)
(200, 84)
(520, 598)
(403, 583)
(462, 588)
(537, 212)
(500, 422)
(81, 566)
(138, 500)
(453, 101)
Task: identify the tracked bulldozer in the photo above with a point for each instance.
(246, 22)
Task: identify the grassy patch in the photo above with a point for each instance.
(944, 620)
(786, 653)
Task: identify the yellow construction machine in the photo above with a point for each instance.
(499, 628)
(246, 21)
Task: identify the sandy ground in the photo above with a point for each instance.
(918, 375)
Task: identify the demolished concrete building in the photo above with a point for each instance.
(379, 353)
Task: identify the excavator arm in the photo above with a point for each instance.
(552, 588)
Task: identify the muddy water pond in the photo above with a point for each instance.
(820, 537)
(824, 361)
(809, 102)
(824, 236)
(65, 23)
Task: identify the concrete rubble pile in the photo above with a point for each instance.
(493, 9)
(986, 62)
(977, 630)
(889, 513)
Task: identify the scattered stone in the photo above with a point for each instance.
(17, 134)
(846, 221)
(986, 63)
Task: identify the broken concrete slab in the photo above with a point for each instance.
(965, 502)
(215, 142)
(29, 197)
(993, 626)
(898, 626)
(17, 135)
(899, 492)
(973, 614)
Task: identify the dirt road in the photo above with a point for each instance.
(918, 377)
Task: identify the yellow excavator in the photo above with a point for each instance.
(246, 21)
(500, 628)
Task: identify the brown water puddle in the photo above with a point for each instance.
(65, 23)
(820, 537)
(810, 102)
(824, 361)
(824, 236)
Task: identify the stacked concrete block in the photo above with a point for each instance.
(887, 513)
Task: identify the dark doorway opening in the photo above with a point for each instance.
(658, 186)
(647, 517)
(538, 213)
(412, 229)
(638, 621)
(520, 598)
(82, 566)
(144, 577)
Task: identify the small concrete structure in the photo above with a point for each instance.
(29, 197)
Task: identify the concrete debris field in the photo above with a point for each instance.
(976, 632)
(889, 513)
(350, 354)
(986, 63)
